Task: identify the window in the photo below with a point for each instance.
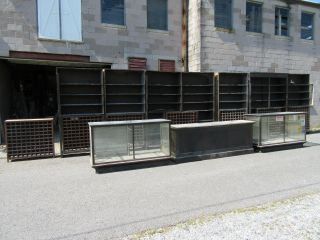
(307, 26)
(59, 19)
(282, 22)
(112, 12)
(254, 17)
(157, 14)
(223, 14)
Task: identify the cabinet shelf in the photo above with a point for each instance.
(128, 103)
(260, 85)
(79, 105)
(163, 103)
(163, 85)
(298, 84)
(163, 94)
(260, 93)
(233, 101)
(124, 84)
(197, 85)
(199, 102)
(196, 94)
(124, 94)
(298, 99)
(232, 93)
(232, 85)
(80, 84)
(80, 94)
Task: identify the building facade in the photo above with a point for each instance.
(262, 36)
(256, 36)
(105, 31)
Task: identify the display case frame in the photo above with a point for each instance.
(269, 133)
(138, 132)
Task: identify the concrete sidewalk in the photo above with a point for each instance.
(65, 199)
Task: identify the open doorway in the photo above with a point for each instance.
(34, 91)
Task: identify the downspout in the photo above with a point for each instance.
(185, 35)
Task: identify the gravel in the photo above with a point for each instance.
(292, 219)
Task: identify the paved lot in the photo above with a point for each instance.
(65, 199)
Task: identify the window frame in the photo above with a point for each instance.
(231, 17)
(277, 10)
(114, 24)
(60, 39)
(167, 18)
(261, 22)
(305, 28)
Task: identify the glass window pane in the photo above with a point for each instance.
(281, 22)
(112, 11)
(254, 17)
(223, 13)
(306, 34)
(157, 14)
(307, 26)
(71, 27)
(48, 19)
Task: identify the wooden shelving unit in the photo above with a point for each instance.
(299, 95)
(268, 93)
(163, 93)
(232, 95)
(298, 91)
(198, 94)
(80, 91)
(124, 92)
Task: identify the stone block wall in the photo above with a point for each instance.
(102, 42)
(241, 51)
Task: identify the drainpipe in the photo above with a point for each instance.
(185, 36)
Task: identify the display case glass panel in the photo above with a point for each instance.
(129, 141)
(278, 128)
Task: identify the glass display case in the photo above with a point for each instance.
(275, 129)
(121, 142)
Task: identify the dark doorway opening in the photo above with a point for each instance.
(34, 91)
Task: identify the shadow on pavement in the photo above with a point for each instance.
(133, 166)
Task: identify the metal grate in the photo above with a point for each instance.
(125, 117)
(232, 115)
(29, 139)
(182, 117)
(305, 110)
(75, 133)
(269, 110)
(167, 65)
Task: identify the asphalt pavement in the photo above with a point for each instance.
(66, 199)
